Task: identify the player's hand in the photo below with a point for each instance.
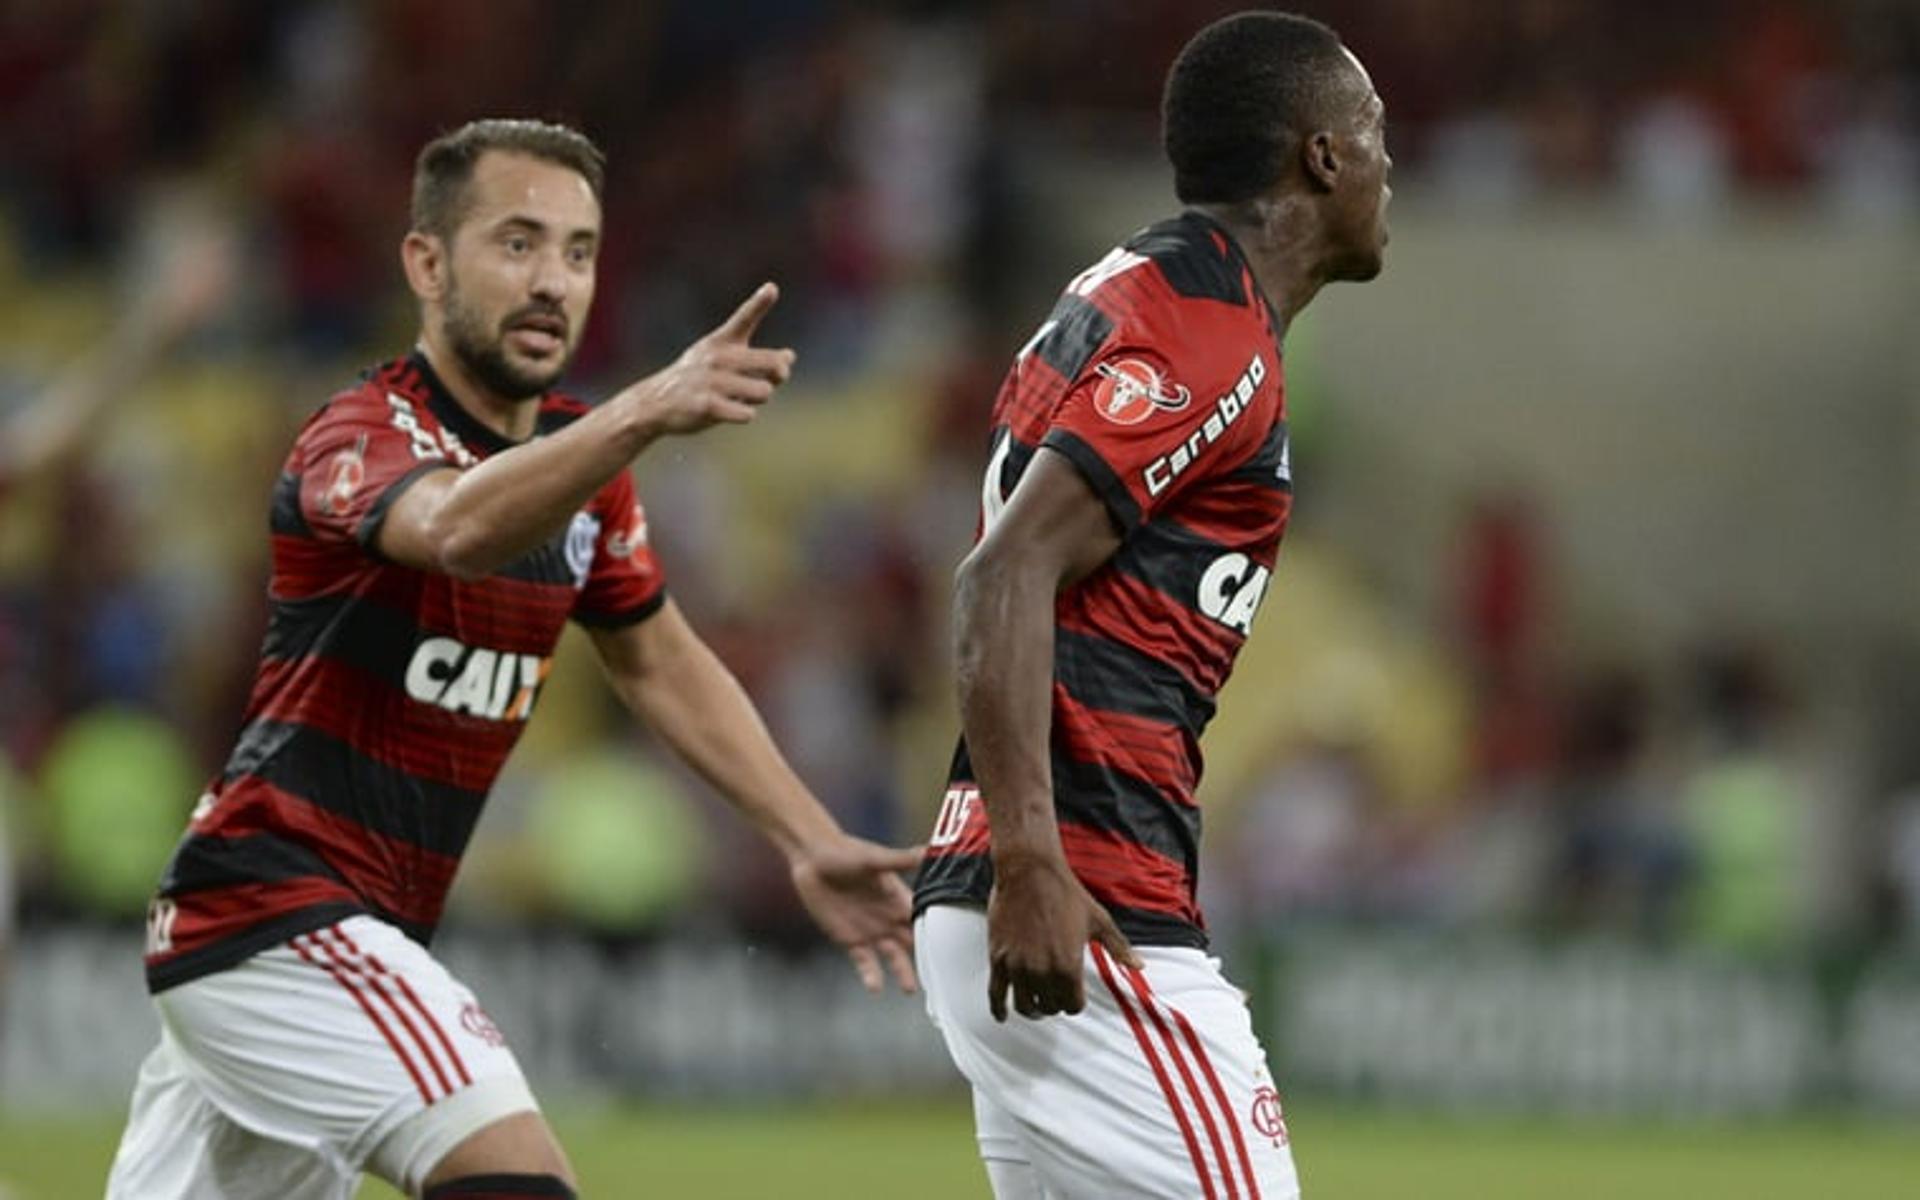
(853, 890)
(722, 378)
(1039, 921)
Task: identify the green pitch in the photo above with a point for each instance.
(924, 1152)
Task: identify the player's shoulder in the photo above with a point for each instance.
(373, 395)
(1180, 285)
(1197, 260)
(1182, 289)
(362, 402)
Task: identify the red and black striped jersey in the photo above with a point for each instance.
(1158, 376)
(387, 698)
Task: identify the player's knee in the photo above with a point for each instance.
(500, 1187)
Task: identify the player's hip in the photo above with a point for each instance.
(1157, 1085)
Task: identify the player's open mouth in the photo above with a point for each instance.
(539, 335)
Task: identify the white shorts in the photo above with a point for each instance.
(1157, 1089)
(284, 1077)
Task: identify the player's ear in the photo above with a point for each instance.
(424, 257)
(1320, 159)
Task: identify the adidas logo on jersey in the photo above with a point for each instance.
(497, 684)
(1162, 471)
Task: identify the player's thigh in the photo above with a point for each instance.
(178, 1145)
(353, 1042)
(1158, 1089)
(1003, 1152)
(521, 1144)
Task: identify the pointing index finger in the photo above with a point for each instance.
(746, 319)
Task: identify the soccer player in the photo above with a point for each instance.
(1138, 486)
(434, 528)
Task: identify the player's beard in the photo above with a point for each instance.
(483, 351)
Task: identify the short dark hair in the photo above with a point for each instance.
(1240, 96)
(445, 165)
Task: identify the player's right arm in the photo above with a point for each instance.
(469, 523)
(1053, 531)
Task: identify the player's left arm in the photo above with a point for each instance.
(674, 681)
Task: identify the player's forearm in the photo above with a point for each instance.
(1003, 632)
(515, 501)
(689, 698)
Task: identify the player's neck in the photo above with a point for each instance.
(511, 419)
(1282, 245)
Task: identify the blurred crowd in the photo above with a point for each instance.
(879, 161)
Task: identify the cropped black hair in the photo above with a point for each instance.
(445, 165)
(1240, 96)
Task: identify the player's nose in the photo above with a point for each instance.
(549, 281)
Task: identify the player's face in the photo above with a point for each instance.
(1364, 192)
(520, 272)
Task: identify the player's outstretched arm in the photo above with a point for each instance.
(673, 680)
(469, 523)
(1053, 531)
(193, 283)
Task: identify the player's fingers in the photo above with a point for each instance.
(894, 858)
(1026, 1001)
(901, 961)
(740, 326)
(898, 898)
(997, 991)
(1108, 935)
(731, 412)
(774, 366)
(867, 965)
(1073, 995)
(737, 386)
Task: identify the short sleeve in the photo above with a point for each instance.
(1141, 434)
(624, 583)
(357, 456)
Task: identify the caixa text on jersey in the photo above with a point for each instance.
(497, 684)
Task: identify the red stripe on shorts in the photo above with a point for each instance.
(353, 990)
(1150, 1005)
(413, 998)
(367, 976)
(1220, 1094)
(1159, 1072)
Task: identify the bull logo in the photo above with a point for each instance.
(1130, 391)
(345, 475)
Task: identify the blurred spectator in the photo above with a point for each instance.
(1309, 843)
(1674, 159)
(1870, 161)
(1621, 858)
(1745, 812)
(189, 275)
(1901, 865)
(113, 789)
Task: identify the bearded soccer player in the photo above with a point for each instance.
(433, 530)
(1135, 497)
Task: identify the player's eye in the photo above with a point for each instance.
(580, 254)
(517, 243)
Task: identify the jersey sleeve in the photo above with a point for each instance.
(1142, 434)
(357, 456)
(624, 583)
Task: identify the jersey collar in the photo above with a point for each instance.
(1246, 267)
(467, 427)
